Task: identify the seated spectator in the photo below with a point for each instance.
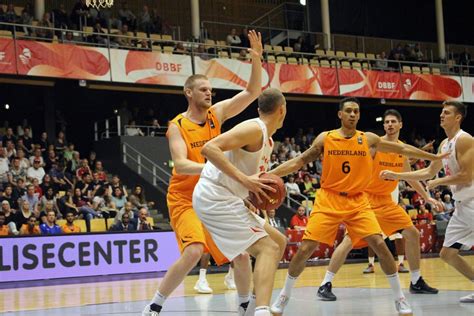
(43, 142)
(244, 38)
(10, 150)
(38, 190)
(8, 136)
(141, 220)
(145, 20)
(117, 183)
(424, 215)
(233, 39)
(138, 199)
(92, 159)
(99, 172)
(180, 49)
(155, 129)
(50, 227)
(59, 180)
(37, 155)
(381, 62)
(16, 172)
(133, 130)
(119, 198)
(19, 190)
(123, 39)
(300, 45)
(60, 144)
(9, 197)
(49, 202)
(418, 53)
(127, 209)
(22, 216)
(42, 31)
(10, 14)
(8, 212)
(243, 55)
(79, 14)
(299, 220)
(448, 204)
(293, 190)
(99, 36)
(69, 38)
(26, 18)
(465, 57)
(68, 152)
(157, 22)
(73, 164)
(127, 17)
(83, 169)
(50, 160)
(30, 227)
(24, 162)
(91, 210)
(4, 167)
(33, 200)
(202, 53)
(61, 18)
(275, 221)
(36, 172)
(273, 161)
(124, 224)
(307, 187)
(4, 228)
(69, 227)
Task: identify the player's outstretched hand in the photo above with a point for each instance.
(437, 204)
(256, 48)
(388, 175)
(442, 155)
(257, 185)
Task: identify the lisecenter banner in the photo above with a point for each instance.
(66, 256)
(34, 58)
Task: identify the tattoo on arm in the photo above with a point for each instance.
(311, 154)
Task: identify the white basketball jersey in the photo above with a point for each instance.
(451, 167)
(248, 162)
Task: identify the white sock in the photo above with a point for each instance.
(158, 299)
(252, 305)
(415, 275)
(371, 260)
(230, 273)
(202, 274)
(289, 283)
(262, 311)
(328, 277)
(244, 298)
(400, 259)
(395, 285)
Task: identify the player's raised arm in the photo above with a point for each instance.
(309, 155)
(179, 153)
(403, 149)
(240, 136)
(231, 107)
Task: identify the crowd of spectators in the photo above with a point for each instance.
(43, 180)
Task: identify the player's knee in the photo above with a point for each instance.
(281, 242)
(243, 258)
(446, 254)
(411, 234)
(194, 252)
(307, 248)
(376, 242)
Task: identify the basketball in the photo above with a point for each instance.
(276, 198)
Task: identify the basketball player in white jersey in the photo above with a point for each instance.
(234, 160)
(459, 171)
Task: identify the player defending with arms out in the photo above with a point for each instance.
(235, 160)
(187, 133)
(459, 169)
(390, 216)
(341, 199)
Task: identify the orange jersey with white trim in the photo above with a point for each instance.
(195, 136)
(347, 163)
(385, 161)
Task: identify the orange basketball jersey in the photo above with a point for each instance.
(385, 161)
(195, 136)
(347, 163)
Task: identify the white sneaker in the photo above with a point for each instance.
(148, 312)
(467, 299)
(402, 306)
(279, 306)
(202, 287)
(229, 282)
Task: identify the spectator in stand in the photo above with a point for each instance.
(418, 53)
(59, 179)
(299, 220)
(424, 215)
(157, 22)
(180, 49)
(37, 155)
(22, 215)
(38, 189)
(448, 204)
(127, 17)
(119, 198)
(244, 38)
(8, 196)
(43, 142)
(49, 197)
(307, 188)
(233, 39)
(30, 227)
(10, 150)
(36, 172)
(73, 164)
(273, 162)
(293, 190)
(275, 221)
(69, 38)
(295, 152)
(61, 18)
(79, 14)
(145, 20)
(202, 53)
(4, 228)
(137, 198)
(117, 183)
(24, 162)
(99, 170)
(381, 63)
(141, 221)
(19, 190)
(126, 209)
(21, 145)
(83, 169)
(155, 129)
(32, 198)
(100, 36)
(42, 30)
(465, 57)
(86, 186)
(300, 45)
(16, 172)
(7, 210)
(92, 159)
(51, 160)
(68, 152)
(10, 14)
(47, 183)
(133, 130)
(69, 227)
(243, 55)
(60, 144)
(26, 18)
(50, 227)
(50, 206)
(124, 224)
(8, 136)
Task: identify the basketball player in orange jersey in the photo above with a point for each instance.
(187, 134)
(459, 169)
(346, 165)
(390, 216)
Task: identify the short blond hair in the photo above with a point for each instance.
(189, 84)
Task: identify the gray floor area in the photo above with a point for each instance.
(351, 301)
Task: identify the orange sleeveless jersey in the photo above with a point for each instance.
(195, 136)
(385, 161)
(347, 163)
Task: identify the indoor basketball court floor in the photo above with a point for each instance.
(358, 294)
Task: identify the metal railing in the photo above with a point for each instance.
(144, 166)
(104, 129)
(144, 130)
(290, 200)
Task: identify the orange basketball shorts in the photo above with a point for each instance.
(331, 209)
